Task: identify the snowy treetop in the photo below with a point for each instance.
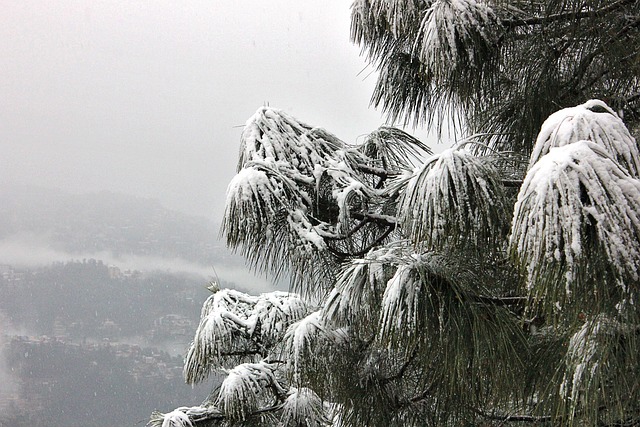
(592, 121)
(272, 135)
(577, 202)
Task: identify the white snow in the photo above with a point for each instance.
(452, 191)
(592, 121)
(573, 187)
(240, 391)
(585, 356)
(229, 322)
(303, 407)
(177, 418)
(300, 337)
(272, 134)
(356, 294)
(400, 304)
(449, 25)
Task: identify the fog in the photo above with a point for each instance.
(28, 250)
(149, 98)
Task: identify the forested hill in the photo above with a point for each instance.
(90, 334)
(84, 344)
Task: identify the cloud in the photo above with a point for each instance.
(28, 250)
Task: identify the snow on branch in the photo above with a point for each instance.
(402, 315)
(187, 417)
(303, 197)
(176, 418)
(261, 194)
(273, 135)
(592, 121)
(375, 24)
(304, 407)
(394, 149)
(256, 194)
(454, 32)
(300, 339)
(357, 295)
(274, 312)
(312, 347)
(455, 197)
(268, 214)
(246, 387)
(236, 326)
(397, 14)
(576, 207)
(590, 354)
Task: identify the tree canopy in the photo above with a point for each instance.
(494, 283)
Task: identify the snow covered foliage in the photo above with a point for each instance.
(176, 418)
(356, 299)
(403, 312)
(500, 67)
(302, 197)
(592, 121)
(300, 338)
(185, 417)
(427, 310)
(247, 388)
(454, 198)
(585, 360)
(454, 34)
(237, 327)
(304, 407)
(272, 135)
(576, 225)
(412, 303)
(378, 23)
(391, 149)
(398, 15)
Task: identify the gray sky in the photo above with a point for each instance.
(148, 97)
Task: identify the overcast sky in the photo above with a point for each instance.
(149, 97)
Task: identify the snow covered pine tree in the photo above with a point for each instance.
(466, 288)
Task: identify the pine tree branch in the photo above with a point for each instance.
(403, 368)
(512, 183)
(513, 418)
(354, 230)
(568, 16)
(588, 60)
(387, 220)
(363, 251)
(500, 301)
(207, 418)
(382, 173)
(244, 353)
(630, 422)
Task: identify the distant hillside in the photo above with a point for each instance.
(78, 339)
(82, 330)
(120, 224)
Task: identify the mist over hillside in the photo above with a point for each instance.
(105, 221)
(100, 297)
(39, 226)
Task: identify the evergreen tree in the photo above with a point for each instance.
(494, 283)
